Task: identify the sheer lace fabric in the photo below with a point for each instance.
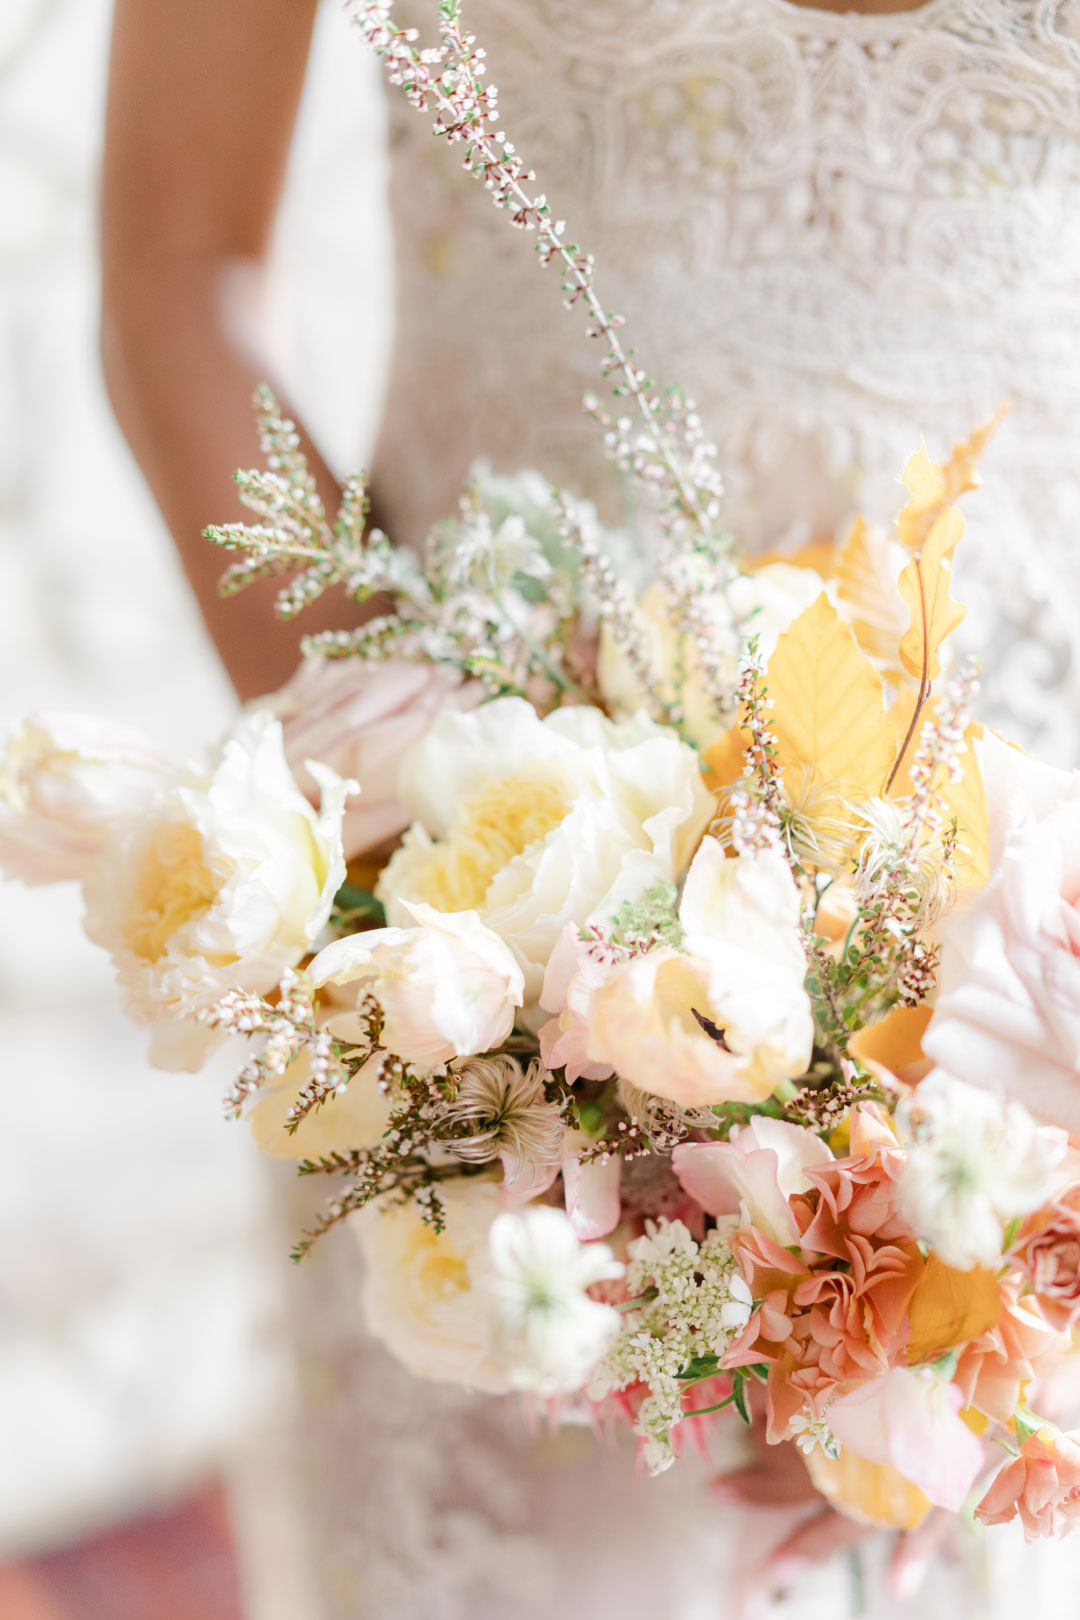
(839, 233)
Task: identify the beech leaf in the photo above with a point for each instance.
(829, 705)
(924, 586)
(950, 1308)
(866, 569)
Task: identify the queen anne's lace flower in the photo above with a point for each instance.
(694, 1303)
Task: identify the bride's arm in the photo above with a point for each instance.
(202, 101)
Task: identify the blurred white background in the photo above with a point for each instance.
(136, 1301)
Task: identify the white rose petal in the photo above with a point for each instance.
(448, 987)
(65, 779)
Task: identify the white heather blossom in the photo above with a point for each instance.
(224, 882)
(701, 1303)
(535, 823)
(426, 1293)
(764, 601)
(974, 1161)
(546, 1331)
(448, 987)
(65, 779)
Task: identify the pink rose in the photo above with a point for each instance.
(761, 1166)
(361, 719)
(1048, 1254)
(65, 781)
(1008, 1009)
(575, 969)
(1042, 1485)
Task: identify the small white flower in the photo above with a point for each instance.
(546, 1331)
(487, 558)
(973, 1162)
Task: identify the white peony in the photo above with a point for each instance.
(535, 823)
(223, 883)
(64, 781)
(546, 1331)
(448, 987)
(426, 1293)
(763, 602)
(973, 1162)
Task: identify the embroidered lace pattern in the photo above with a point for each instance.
(837, 232)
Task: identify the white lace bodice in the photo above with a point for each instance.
(838, 232)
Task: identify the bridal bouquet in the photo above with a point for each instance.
(676, 987)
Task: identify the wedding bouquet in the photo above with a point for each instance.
(679, 1056)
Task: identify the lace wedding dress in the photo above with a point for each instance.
(839, 232)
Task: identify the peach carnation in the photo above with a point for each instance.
(993, 1370)
(1041, 1485)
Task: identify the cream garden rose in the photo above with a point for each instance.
(765, 602)
(426, 1295)
(535, 823)
(224, 883)
(448, 987)
(64, 781)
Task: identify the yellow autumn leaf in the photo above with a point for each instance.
(828, 712)
(870, 1493)
(934, 488)
(924, 587)
(949, 1308)
(725, 759)
(894, 1043)
(867, 567)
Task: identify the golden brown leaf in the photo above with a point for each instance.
(828, 711)
(870, 1493)
(950, 1307)
(894, 1043)
(924, 586)
(866, 576)
(934, 488)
